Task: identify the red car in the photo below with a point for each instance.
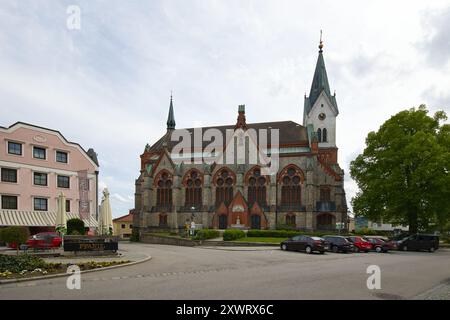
(43, 240)
(379, 245)
(360, 244)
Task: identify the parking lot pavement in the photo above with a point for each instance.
(209, 273)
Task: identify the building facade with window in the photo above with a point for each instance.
(123, 226)
(36, 165)
(306, 192)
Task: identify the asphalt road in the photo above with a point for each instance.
(252, 273)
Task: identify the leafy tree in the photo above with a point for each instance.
(16, 235)
(403, 174)
(75, 227)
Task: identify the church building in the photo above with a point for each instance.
(306, 192)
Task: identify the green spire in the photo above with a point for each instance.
(171, 117)
(320, 79)
(319, 84)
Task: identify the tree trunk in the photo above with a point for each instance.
(413, 221)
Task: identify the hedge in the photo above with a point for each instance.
(233, 234)
(204, 234)
(288, 233)
(75, 226)
(17, 264)
(15, 234)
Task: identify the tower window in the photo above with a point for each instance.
(324, 135)
(319, 135)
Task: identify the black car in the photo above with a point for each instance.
(419, 242)
(338, 244)
(305, 243)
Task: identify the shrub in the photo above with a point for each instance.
(272, 233)
(75, 226)
(233, 234)
(204, 234)
(367, 232)
(287, 233)
(134, 235)
(17, 264)
(17, 235)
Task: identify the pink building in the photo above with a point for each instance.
(37, 164)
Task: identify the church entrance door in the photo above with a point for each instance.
(223, 221)
(255, 221)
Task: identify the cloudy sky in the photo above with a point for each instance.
(108, 84)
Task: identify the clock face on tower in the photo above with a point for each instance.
(322, 116)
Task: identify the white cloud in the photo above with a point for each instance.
(107, 85)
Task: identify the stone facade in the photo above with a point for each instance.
(306, 192)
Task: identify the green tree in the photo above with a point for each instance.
(403, 174)
(16, 235)
(75, 227)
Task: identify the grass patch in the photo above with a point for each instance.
(262, 239)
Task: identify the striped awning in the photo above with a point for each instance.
(37, 218)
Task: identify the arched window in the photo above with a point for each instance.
(193, 183)
(164, 191)
(290, 188)
(324, 194)
(324, 135)
(163, 220)
(319, 135)
(256, 187)
(224, 186)
(290, 219)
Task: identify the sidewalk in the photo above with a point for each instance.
(122, 256)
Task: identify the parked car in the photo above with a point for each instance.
(360, 244)
(339, 244)
(378, 245)
(44, 240)
(419, 242)
(305, 243)
(391, 244)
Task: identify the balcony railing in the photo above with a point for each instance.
(196, 208)
(293, 207)
(325, 206)
(161, 209)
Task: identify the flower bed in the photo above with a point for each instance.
(29, 266)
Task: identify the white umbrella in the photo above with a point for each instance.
(105, 219)
(60, 223)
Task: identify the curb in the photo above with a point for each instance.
(60, 275)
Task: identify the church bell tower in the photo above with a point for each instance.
(320, 108)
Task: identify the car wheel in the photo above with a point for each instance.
(308, 249)
(284, 247)
(378, 249)
(405, 248)
(356, 249)
(431, 249)
(334, 249)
